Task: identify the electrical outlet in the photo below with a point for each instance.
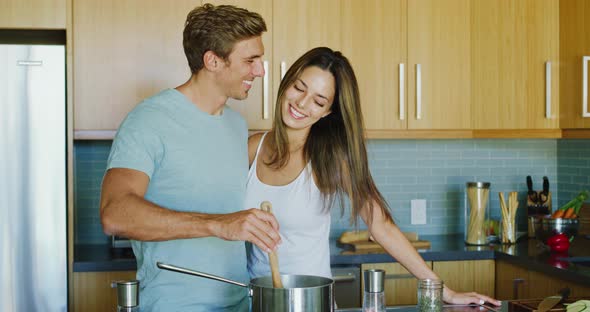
(418, 211)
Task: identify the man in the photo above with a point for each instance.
(176, 174)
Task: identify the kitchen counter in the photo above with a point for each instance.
(528, 253)
(446, 308)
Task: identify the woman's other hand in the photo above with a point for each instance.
(452, 297)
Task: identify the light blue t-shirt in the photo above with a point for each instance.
(196, 162)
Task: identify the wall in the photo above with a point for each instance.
(435, 170)
(573, 168)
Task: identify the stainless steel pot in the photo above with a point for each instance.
(301, 293)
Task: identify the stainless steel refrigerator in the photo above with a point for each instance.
(33, 190)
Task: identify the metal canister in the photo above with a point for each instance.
(128, 296)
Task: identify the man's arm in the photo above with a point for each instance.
(124, 211)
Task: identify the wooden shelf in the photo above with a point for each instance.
(575, 133)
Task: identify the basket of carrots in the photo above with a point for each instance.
(559, 229)
(571, 210)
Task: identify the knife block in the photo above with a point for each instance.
(534, 209)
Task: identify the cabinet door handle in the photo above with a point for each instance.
(283, 69)
(548, 89)
(585, 112)
(418, 91)
(265, 100)
(515, 283)
(402, 86)
(399, 276)
(344, 278)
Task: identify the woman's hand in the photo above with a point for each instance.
(452, 297)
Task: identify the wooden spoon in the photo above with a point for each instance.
(272, 256)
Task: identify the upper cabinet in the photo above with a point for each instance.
(412, 62)
(33, 14)
(124, 52)
(574, 46)
(425, 68)
(438, 64)
(515, 64)
(258, 108)
(299, 26)
(376, 45)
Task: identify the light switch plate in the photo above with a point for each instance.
(418, 211)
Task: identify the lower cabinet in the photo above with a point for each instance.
(514, 282)
(468, 275)
(400, 285)
(93, 293)
(463, 276)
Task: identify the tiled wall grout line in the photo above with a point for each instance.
(435, 170)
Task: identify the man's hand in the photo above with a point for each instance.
(252, 225)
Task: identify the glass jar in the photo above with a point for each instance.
(477, 195)
(430, 295)
(374, 296)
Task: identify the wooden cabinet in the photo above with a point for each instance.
(400, 285)
(93, 293)
(463, 276)
(511, 281)
(515, 282)
(376, 45)
(299, 26)
(467, 276)
(124, 52)
(294, 27)
(438, 64)
(258, 108)
(574, 45)
(127, 51)
(413, 67)
(515, 64)
(33, 14)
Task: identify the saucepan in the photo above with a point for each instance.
(301, 293)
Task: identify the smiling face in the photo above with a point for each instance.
(243, 65)
(308, 99)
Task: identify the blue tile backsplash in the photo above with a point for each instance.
(573, 168)
(435, 170)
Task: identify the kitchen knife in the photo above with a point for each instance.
(549, 302)
(544, 195)
(532, 197)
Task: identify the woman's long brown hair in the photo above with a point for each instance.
(336, 144)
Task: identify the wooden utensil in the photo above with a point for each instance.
(272, 256)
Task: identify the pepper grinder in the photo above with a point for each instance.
(374, 298)
(128, 296)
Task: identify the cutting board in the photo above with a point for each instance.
(530, 305)
(360, 242)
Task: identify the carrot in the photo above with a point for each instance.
(573, 216)
(558, 214)
(568, 213)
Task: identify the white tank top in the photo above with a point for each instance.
(304, 224)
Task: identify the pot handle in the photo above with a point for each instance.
(174, 268)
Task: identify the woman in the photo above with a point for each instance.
(315, 154)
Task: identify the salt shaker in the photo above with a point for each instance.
(374, 299)
(430, 295)
(128, 296)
